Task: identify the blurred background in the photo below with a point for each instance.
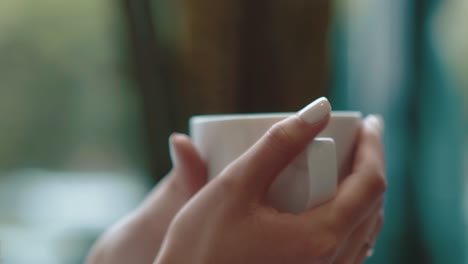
(91, 90)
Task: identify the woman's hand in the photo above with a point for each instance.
(138, 237)
(230, 222)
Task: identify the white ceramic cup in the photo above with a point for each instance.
(308, 181)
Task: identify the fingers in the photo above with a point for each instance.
(187, 162)
(138, 237)
(359, 192)
(361, 238)
(260, 165)
(378, 226)
(365, 254)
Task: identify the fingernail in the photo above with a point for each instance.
(315, 111)
(172, 151)
(377, 122)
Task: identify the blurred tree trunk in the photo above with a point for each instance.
(234, 56)
(256, 56)
(284, 53)
(151, 70)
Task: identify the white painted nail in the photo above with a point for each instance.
(377, 122)
(381, 121)
(315, 111)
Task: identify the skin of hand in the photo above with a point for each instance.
(229, 221)
(138, 237)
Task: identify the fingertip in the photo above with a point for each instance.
(316, 111)
(187, 160)
(175, 140)
(370, 143)
(376, 123)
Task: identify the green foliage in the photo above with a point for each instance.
(65, 100)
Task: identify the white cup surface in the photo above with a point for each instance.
(308, 181)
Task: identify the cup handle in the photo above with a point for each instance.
(323, 171)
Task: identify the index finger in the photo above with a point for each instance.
(261, 164)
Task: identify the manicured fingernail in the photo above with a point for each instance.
(315, 111)
(377, 122)
(172, 151)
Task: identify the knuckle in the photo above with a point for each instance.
(327, 247)
(229, 186)
(324, 243)
(378, 182)
(341, 216)
(281, 138)
(229, 196)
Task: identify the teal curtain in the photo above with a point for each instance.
(386, 62)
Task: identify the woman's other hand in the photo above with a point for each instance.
(138, 237)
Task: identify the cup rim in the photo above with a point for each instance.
(197, 119)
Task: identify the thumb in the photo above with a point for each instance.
(189, 167)
(260, 165)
